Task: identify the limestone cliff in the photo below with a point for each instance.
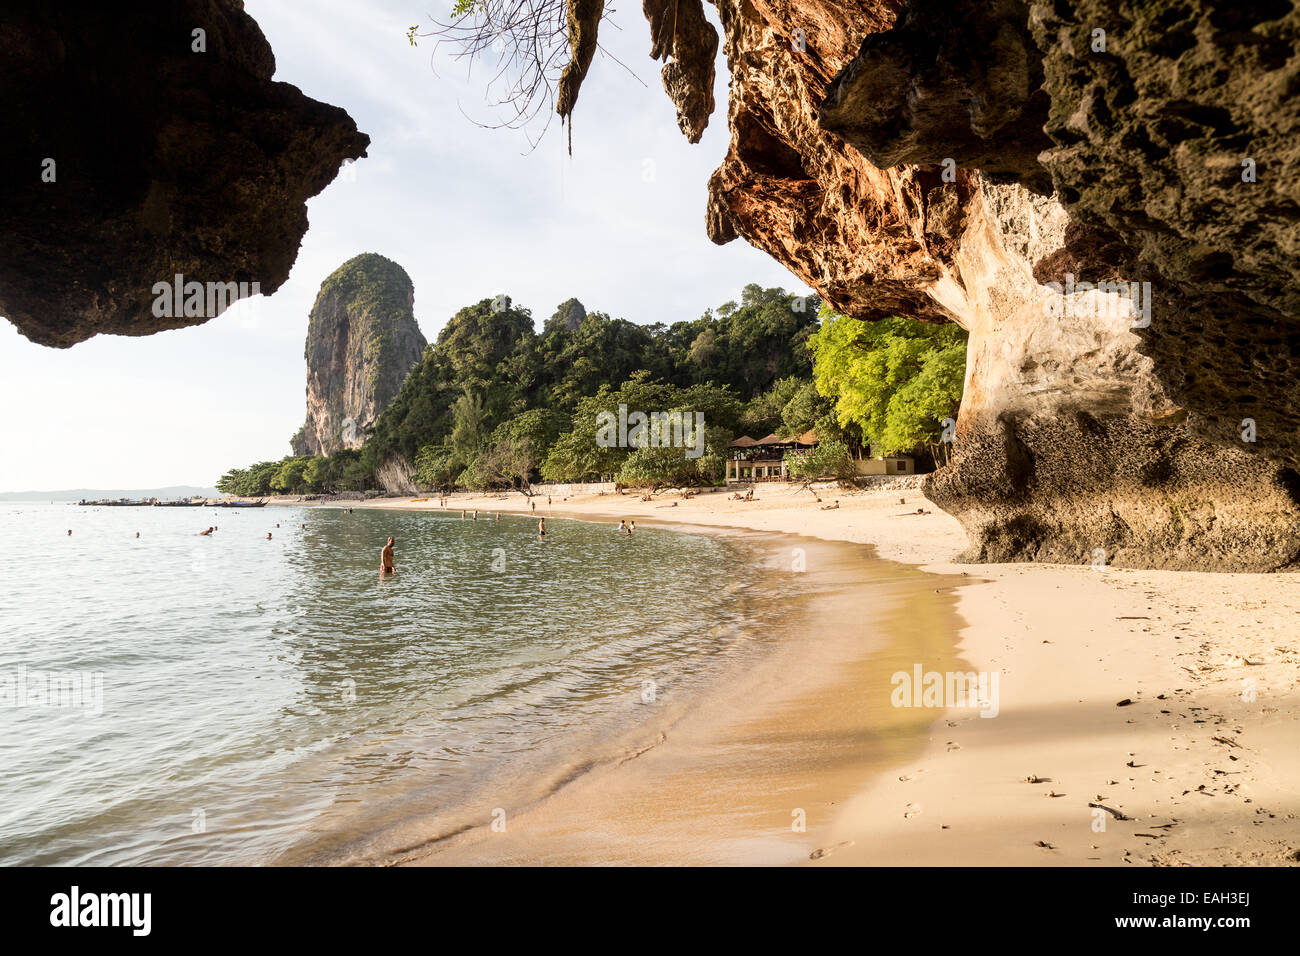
(145, 140)
(967, 161)
(362, 340)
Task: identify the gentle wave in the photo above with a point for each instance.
(275, 700)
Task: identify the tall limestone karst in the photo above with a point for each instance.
(362, 340)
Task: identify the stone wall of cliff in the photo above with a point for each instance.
(362, 340)
(974, 162)
(145, 140)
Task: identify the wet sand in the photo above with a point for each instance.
(1200, 767)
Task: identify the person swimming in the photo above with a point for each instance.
(209, 531)
(268, 536)
(386, 558)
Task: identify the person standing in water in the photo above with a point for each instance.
(386, 558)
(631, 528)
(541, 528)
(622, 527)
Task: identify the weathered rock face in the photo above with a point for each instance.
(1087, 425)
(132, 157)
(361, 342)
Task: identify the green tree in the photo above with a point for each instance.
(291, 476)
(895, 379)
(830, 459)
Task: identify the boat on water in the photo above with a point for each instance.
(119, 503)
(180, 504)
(239, 504)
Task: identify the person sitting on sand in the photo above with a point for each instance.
(749, 495)
(834, 507)
(386, 558)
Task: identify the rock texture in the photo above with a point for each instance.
(681, 36)
(951, 159)
(362, 341)
(165, 160)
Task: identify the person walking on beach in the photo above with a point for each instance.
(533, 505)
(386, 558)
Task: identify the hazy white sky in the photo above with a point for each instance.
(467, 211)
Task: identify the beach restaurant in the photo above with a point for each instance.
(764, 459)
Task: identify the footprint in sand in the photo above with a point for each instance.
(825, 851)
(911, 810)
(953, 745)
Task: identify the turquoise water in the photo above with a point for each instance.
(230, 699)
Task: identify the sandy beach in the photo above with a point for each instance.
(1141, 718)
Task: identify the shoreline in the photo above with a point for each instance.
(1200, 764)
(715, 773)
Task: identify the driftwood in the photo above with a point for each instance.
(1115, 813)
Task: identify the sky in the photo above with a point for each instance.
(469, 212)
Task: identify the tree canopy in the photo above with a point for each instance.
(896, 379)
(495, 404)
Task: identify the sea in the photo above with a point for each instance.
(261, 695)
